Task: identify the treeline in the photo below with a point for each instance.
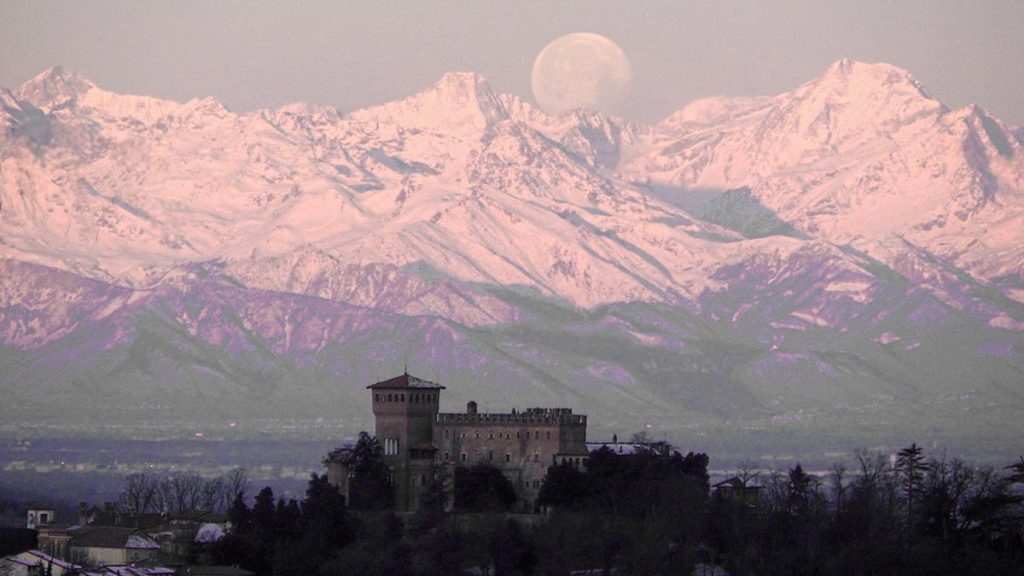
(648, 514)
(180, 492)
(907, 515)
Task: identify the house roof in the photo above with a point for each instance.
(209, 532)
(619, 447)
(216, 571)
(405, 381)
(129, 570)
(124, 537)
(33, 557)
(111, 518)
(734, 482)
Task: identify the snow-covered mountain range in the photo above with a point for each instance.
(844, 254)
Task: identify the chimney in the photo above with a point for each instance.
(471, 408)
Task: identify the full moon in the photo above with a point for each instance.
(581, 70)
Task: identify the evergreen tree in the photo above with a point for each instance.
(564, 486)
(799, 490)
(262, 516)
(483, 488)
(370, 485)
(694, 465)
(239, 516)
(910, 466)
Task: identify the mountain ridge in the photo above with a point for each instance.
(831, 233)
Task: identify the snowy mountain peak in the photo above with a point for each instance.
(458, 101)
(59, 89)
(877, 93)
(864, 76)
(54, 88)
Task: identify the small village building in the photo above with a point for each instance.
(213, 571)
(34, 563)
(632, 448)
(129, 570)
(54, 540)
(111, 545)
(735, 490)
(37, 518)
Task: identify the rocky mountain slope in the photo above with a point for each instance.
(844, 256)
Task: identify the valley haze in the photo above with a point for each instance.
(838, 265)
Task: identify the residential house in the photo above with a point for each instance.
(111, 545)
(34, 563)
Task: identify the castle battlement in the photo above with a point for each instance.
(533, 416)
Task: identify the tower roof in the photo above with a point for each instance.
(405, 381)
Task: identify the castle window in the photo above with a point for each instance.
(490, 455)
(463, 456)
(517, 434)
(446, 433)
(490, 436)
(463, 434)
(423, 479)
(445, 456)
(549, 434)
(508, 457)
(536, 434)
(507, 435)
(477, 434)
(403, 397)
(536, 457)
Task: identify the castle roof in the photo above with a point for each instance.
(405, 381)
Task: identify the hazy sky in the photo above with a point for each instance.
(351, 54)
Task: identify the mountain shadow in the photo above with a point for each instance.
(736, 209)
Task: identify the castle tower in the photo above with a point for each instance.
(405, 409)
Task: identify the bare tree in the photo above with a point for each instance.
(641, 437)
(236, 484)
(837, 477)
(747, 472)
(212, 495)
(139, 494)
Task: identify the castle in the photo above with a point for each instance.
(420, 443)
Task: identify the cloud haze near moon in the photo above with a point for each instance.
(581, 70)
